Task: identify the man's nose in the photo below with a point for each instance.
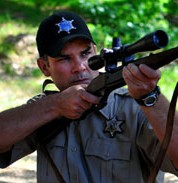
(79, 65)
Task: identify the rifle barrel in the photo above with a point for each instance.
(110, 81)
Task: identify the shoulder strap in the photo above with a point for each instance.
(45, 83)
(47, 132)
(167, 136)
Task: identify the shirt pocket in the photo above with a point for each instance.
(108, 159)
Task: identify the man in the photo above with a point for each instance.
(87, 149)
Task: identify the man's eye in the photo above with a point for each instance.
(86, 53)
(63, 59)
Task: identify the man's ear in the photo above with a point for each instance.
(44, 66)
(95, 48)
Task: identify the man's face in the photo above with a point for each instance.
(71, 67)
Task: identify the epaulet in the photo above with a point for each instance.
(35, 98)
(122, 91)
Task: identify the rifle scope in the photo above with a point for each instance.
(150, 42)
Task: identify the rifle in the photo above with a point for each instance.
(106, 82)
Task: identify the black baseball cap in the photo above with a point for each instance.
(56, 30)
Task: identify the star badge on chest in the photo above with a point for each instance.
(114, 126)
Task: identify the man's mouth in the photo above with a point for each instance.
(82, 81)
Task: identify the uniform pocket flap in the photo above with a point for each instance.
(59, 141)
(108, 149)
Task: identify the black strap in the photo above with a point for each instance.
(45, 83)
(167, 137)
(47, 132)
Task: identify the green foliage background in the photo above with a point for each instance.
(127, 19)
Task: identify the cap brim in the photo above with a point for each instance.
(55, 50)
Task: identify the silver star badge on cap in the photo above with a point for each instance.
(65, 25)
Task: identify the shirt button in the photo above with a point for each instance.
(73, 149)
(107, 155)
(74, 178)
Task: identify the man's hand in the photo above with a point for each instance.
(140, 80)
(74, 101)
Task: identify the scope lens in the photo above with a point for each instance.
(160, 38)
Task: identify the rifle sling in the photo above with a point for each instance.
(167, 137)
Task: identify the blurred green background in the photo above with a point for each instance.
(127, 19)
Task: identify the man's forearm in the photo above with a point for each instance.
(19, 122)
(157, 115)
